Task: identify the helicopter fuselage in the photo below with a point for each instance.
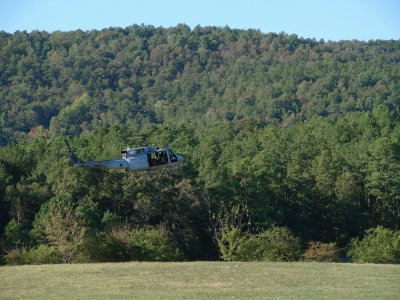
(135, 159)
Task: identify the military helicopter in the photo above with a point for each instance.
(142, 158)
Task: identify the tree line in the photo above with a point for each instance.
(328, 179)
(282, 136)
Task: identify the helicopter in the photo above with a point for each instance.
(135, 159)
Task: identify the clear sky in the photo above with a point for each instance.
(320, 19)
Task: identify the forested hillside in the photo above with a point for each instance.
(144, 74)
(276, 130)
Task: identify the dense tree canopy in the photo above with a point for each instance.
(276, 130)
(143, 74)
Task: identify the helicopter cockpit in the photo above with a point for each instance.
(162, 157)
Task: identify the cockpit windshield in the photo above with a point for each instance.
(172, 155)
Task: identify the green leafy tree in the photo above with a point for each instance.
(73, 119)
(383, 181)
(379, 245)
(229, 230)
(88, 214)
(13, 234)
(64, 231)
(274, 244)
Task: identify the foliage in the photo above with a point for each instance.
(109, 219)
(43, 255)
(124, 244)
(104, 247)
(379, 245)
(323, 252)
(74, 82)
(229, 240)
(152, 245)
(292, 131)
(64, 231)
(13, 234)
(228, 231)
(274, 244)
(35, 256)
(16, 257)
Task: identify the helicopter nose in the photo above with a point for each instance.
(179, 157)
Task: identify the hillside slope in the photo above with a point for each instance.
(143, 74)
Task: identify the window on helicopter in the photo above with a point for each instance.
(159, 158)
(172, 156)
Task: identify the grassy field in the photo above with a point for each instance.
(201, 280)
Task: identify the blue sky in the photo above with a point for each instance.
(323, 19)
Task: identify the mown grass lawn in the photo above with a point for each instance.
(200, 280)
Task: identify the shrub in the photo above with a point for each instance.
(64, 231)
(152, 245)
(229, 239)
(274, 244)
(15, 257)
(380, 245)
(40, 255)
(249, 249)
(317, 251)
(228, 225)
(104, 247)
(43, 255)
(125, 244)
